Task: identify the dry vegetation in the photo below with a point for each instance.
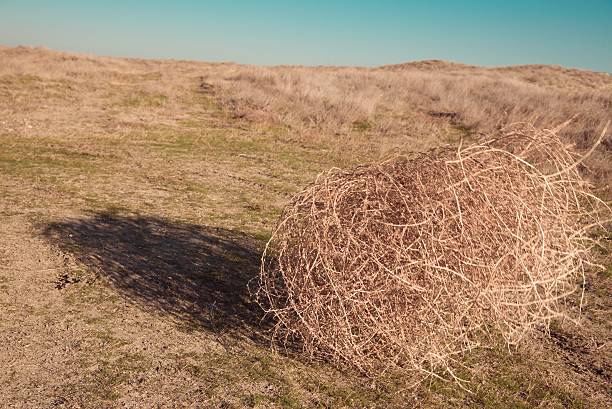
(137, 195)
(407, 264)
(393, 100)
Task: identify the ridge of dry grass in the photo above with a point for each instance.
(392, 105)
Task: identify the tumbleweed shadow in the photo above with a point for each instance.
(194, 273)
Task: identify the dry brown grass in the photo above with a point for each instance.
(424, 98)
(333, 99)
(409, 263)
(391, 102)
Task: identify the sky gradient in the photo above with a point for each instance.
(341, 32)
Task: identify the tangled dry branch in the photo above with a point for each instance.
(409, 263)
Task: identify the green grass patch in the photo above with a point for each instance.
(362, 126)
(142, 99)
(19, 79)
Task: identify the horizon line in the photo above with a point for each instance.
(228, 62)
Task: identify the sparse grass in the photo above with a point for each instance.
(524, 379)
(108, 374)
(9, 80)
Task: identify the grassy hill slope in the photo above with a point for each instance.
(136, 197)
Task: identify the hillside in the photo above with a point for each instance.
(136, 197)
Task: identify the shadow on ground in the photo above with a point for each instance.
(195, 273)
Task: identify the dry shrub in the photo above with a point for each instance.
(408, 263)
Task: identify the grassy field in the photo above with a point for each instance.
(136, 197)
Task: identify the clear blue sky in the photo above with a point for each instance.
(341, 32)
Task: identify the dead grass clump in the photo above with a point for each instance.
(408, 263)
